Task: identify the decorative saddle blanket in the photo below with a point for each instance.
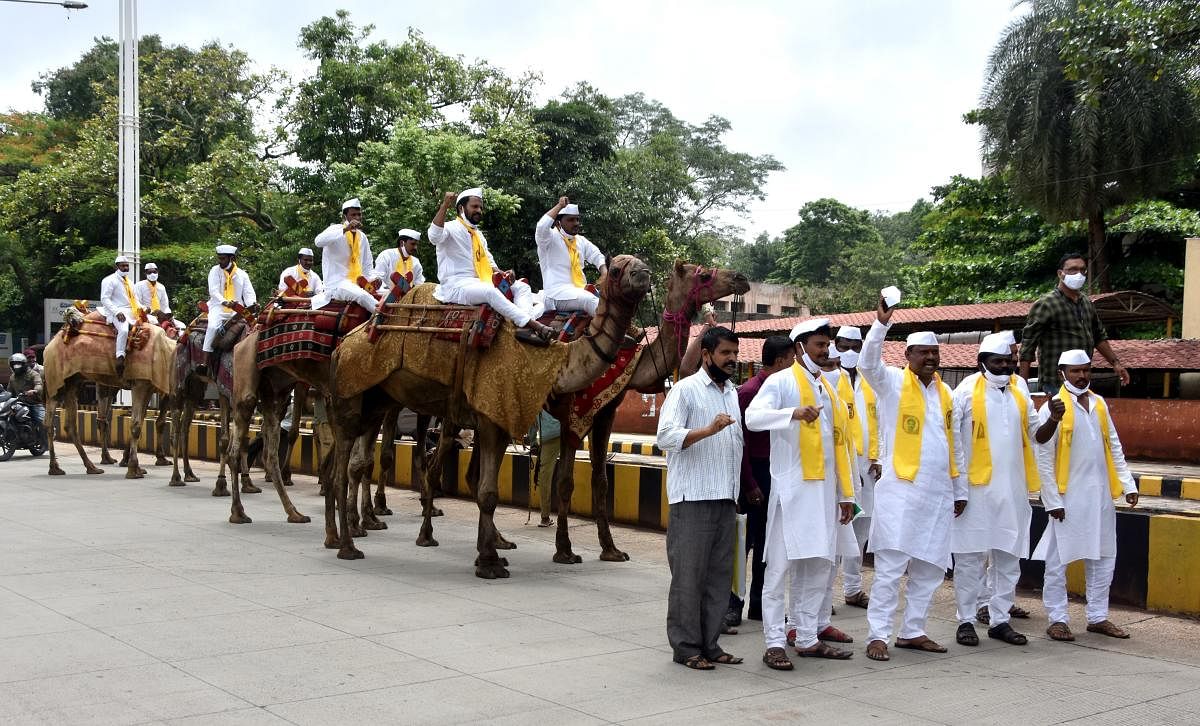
(290, 331)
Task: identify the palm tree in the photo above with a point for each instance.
(1072, 155)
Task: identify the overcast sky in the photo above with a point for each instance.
(861, 100)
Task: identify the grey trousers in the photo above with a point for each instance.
(700, 552)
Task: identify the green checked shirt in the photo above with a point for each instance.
(1055, 324)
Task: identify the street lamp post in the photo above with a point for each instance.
(129, 238)
(68, 4)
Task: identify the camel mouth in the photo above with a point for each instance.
(741, 284)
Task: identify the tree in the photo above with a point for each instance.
(758, 259)
(1075, 149)
(827, 230)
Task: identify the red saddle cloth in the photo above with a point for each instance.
(567, 326)
(290, 331)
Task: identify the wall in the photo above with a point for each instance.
(638, 414)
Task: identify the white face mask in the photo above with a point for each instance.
(227, 266)
(849, 359)
(813, 368)
(152, 276)
(996, 380)
(1075, 281)
(1077, 391)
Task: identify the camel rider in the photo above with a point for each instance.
(228, 285)
(346, 259)
(402, 258)
(121, 307)
(302, 271)
(152, 296)
(562, 251)
(466, 266)
(26, 380)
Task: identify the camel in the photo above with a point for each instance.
(688, 288)
(363, 372)
(105, 397)
(83, 351)
(189, 385)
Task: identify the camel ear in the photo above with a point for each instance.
(679, 266)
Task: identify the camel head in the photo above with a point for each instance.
(627, 280)
(690, 286)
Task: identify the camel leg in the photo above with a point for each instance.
(354, 476)
(433, 472)
(387, 459)
(72, 405)
(369, 520)
(271, 463)
(598, 442)
(239, 424)
(248, 486)
(69, 425)
(183, 422)
(104, 406)
(490, 445)
(141, 398)
(564, 477)
(224, 447)
(162, 439)
(473, 484)
(300, 395)
(344, 413)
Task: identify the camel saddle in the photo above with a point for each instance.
(76, 317)
(289, 329)
(476, 325)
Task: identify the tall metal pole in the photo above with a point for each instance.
(129, 192)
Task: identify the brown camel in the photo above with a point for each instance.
(573, 367)
(105, 398)
(688, 288)
(83, 351)
(191, 378)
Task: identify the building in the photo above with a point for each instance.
(765, 300)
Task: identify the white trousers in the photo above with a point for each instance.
(809, 582)
(970, 581)
(825, 614)
(1098, 575)
(563, 301)
(351, 293)
(923, 580)
(478, 292)
(122, 327)
(852, 566)
(215, 321)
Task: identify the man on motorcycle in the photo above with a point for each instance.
(26, 380)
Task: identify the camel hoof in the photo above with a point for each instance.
(141, 472)
(176, 482)
(95, 470)
(437, 512)
(358, 532)
(298, 518)
(503, 544)
(124, 462)
(162, 461)
(614, 556)
(494, 571)
(288, 483)
(56, 470)
(239, 519)
(567, 558)
(248, 488)
(220, 492)
(350, 553)
(191, 477)
(106, 459)
(332, 542)
(375, 525)
(382, 511)
(134, 475)
(424, 541)
(502, 560)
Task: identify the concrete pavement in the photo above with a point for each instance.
(131, 602)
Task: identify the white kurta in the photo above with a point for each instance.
(806, 511)
(1089, 527)
(142, 292)
(555, 259)
(998, 515)
(295, 272)
(115, 299)
(335, 264)
(455, 258)
(385, 265)
(912, 517)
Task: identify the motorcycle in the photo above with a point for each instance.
(18, 430)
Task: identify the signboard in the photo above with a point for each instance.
(52, 315)
(6, 344)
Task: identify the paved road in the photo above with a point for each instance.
(130, 602)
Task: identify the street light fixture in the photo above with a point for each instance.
(68, 4)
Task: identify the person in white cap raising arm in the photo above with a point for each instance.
(1083, 470)
(562, 252)
(305, 282)
(121, 308)
(465, 267)
(919, 492)
(402, 259)
(346, 260)
(152, 296)
(228, 286)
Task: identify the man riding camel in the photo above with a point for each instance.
(152, 296)
(121, 307)
(228, 288)
(305, 280)
(402, 258)
(562, 251)
(346, 260)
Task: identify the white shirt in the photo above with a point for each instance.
(295, 271)
(455, 257)
(997, 517)
(710, 468)
(385, 265)
(335, 255)
(555, 259)
(243, 291)
(114, 298)
(806, 509)
(912, 517)
(1089, 527)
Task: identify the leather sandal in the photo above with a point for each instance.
(858, 599)
(834, 635)
(1107, 627)
(923, 643)
(777, 659)
(1004, 632)
(966, 635)
(1060, 631)
(878, 650)
(1016, 611)
(726, 659)
(699, 663)
(983, 617)
(821, 650)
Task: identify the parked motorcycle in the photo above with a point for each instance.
(18, 430)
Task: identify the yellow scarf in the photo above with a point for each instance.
(154, 307)
(303, 273)
(483, 267)
(1067, 432)
(906, 459)
(404, 265)
(577, 278)
(980, 469)
(846, 393)
(133, 303)
(812, 450)
(354, 267)
(229, 281)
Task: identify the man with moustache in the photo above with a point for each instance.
(562, 250)
(346, 260)
(305, 279)
(402, 258)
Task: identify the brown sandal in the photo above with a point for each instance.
(1107, 627)
(878, 650)
(821, 650)
(726, 659)
(923, 643)
(858, 599)
(1016, 611)
(1060, 631)
(834, 635)
(776, 658)
(699, 663)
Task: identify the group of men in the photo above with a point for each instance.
(846, 452)
(467, 273)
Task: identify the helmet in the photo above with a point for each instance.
(16, 358)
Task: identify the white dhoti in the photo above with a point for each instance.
(122, 327)
(852, 565)
(1098, 575)
(477, 292)
(215, 321)
(571, 300)
(809, 581)
(923, 580)
(345, 291)
(972, 579)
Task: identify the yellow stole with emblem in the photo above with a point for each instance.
(228, 293)
(906, 459)
(354, 266)
(1062, 462)
(133, 303)
(154, 306)
(846, 393)
(577, 278)
(812, 447)
(979, 472)
(483, 268)
(404, 265)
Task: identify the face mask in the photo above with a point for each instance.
(849, 359)
(152, 276)
(995, 380)
(1077, 391)
(123, 273)
(813, 368)
(226, 266)
(716, 373)
(18, 369)
(1075, 280)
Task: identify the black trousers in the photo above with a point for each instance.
(700, 552)
(756, 539)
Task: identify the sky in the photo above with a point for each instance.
(860, 100)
